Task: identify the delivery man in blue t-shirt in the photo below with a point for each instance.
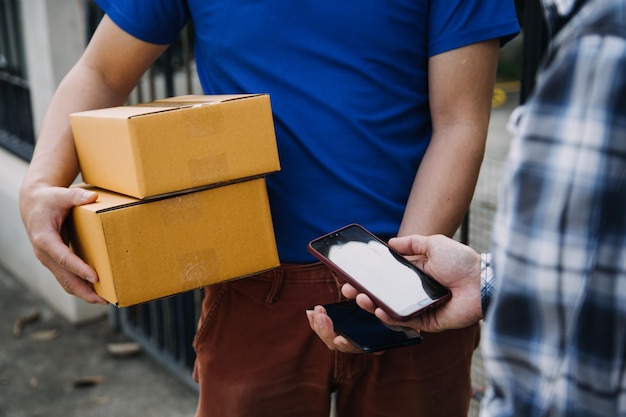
(381, 112)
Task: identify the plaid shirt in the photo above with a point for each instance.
(555, 331)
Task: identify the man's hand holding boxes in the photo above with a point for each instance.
(182, 200)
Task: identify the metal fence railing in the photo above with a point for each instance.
(165, 330)
(16, 121)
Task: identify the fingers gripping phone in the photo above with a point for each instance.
(372, 267)
(366, 331)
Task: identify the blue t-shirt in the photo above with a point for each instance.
(348, 84)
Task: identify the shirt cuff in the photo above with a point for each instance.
(487, 281)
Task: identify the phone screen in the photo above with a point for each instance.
(366, 331)
(378, 270)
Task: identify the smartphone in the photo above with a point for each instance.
(388, 278)
(366, 331)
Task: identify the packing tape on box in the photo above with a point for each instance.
(196, 266)
(206, 122)
(181, 209)
(209, 169)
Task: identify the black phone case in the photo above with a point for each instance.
(366, 331)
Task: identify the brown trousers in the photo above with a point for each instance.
(257, 356)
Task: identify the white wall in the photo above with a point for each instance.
(16, 254)
(53, 40)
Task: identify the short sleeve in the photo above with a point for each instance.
(457, 23)
(154, 21)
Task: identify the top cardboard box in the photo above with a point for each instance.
(176, 144)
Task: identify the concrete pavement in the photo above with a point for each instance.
(56, 369)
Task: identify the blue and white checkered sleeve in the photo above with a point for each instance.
(487, 281)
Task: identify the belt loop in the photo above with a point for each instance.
(277, 283)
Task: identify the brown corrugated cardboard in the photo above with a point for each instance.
(176, 144)
(143, 250)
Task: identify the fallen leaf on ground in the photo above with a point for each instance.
(88, 381)
(18, 325)
(123, 348)
(44, 335)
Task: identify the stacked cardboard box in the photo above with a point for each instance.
(182, 200)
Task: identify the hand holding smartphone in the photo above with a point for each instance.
(366, 331)
(372, 267)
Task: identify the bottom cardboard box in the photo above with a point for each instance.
(144, 250)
